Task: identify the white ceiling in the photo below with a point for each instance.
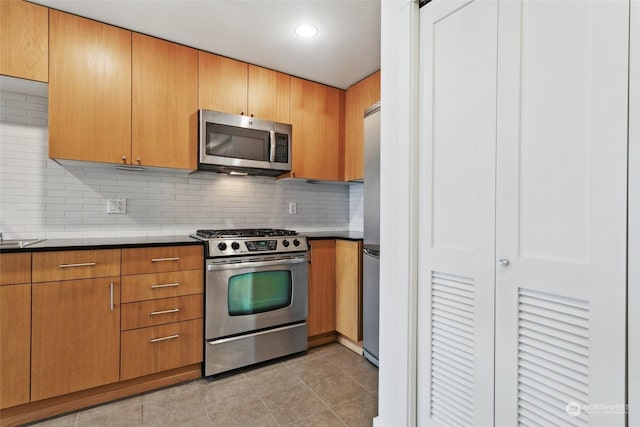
(346, 49)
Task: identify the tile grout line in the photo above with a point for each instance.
(244, 374)
(204, 408)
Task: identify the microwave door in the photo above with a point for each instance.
(219, 145)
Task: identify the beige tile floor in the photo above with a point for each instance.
(327, 386)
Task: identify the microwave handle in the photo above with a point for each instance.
(272, 152)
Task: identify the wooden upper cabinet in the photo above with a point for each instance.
(222, 84)
(165, 103)
(236, 87)
(316, 119)
(89, 90)
(358, 97)
(24, 40)
(268, 94)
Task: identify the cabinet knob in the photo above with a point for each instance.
(124, 159)
(242, 113)
(138, 160)
(503, 262)
(251, 114)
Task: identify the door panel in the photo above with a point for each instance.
(457, 191)
(561, 211)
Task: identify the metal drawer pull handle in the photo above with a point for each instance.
(82, 264)
(111, 296)
(168, 285)
(170, 337)
(165, 259)
(173, 310)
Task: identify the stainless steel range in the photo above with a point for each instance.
(255, 296)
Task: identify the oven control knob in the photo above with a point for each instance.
(222, 246)
(296, 242)
(235, 246)
(285, 243)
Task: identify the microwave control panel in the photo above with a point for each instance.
(282, 148)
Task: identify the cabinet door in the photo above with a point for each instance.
(349, 289)
(315, 116)
(165, 102)
(268, 94)
(89, 90)
(75, 336)
(15, 344)
(222, 84)
(357, 99)
(456, 221)
(159, 348)
(322, 288)
(24, 40)
(562, 212)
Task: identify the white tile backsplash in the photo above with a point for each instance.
(41, 198)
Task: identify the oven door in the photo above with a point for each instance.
(253, 293)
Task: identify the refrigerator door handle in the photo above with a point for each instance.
(371, 252)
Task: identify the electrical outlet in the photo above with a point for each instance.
(116, 206)
(292, 208)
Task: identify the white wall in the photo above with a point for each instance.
(398, 234)
(40, 198)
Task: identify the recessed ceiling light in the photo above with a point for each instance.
(306, 30)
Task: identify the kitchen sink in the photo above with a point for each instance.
(18, 243)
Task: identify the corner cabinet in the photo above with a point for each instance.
(24, 40)
(349, 289)
(322, 288)
(75, 321)
(89, 90)
(15, 329)
(316, 117)
(358, 98)
(165, 102)
(236, 87)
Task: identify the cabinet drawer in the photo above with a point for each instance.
(161, 285)
(15, 269)
(159, 348)
(161, 311)
(161, 259)
(70, 265)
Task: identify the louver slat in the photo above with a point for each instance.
(452, 349)
(553, 362)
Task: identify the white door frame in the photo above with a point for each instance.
(633, 255)
(398, 213)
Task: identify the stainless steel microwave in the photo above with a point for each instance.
(231, 143)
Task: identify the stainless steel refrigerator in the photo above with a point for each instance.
(371, 248)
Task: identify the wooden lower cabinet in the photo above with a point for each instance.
(349, 289)
(322, 288)
(159, 348)
(75, 335)
(15, 344)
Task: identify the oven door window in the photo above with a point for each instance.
(237, 143)
(259, 292)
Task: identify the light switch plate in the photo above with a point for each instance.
(116, 206)
(292, 208)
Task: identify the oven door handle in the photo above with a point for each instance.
(226, 265)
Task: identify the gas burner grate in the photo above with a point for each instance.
(245, 232)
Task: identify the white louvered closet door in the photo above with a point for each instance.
(561, 212)
(456, 221)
